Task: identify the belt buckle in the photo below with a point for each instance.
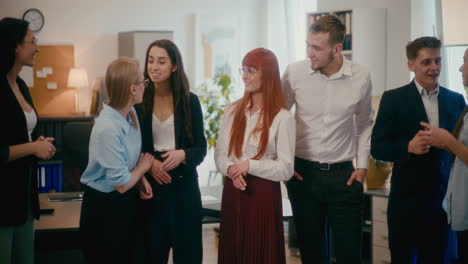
(323, 168)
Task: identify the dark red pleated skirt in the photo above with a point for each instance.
(251, 230)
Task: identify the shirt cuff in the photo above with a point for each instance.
(362, 164)
(254, 166)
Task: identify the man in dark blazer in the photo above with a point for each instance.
(417, 225)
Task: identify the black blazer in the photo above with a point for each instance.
(15, 175)
(419, 182)
(195, 152)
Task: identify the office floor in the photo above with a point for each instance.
(210, 251)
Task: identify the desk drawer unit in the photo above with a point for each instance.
(380, 251)
(380, 255)
(379, 209)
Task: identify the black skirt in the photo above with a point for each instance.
(108, 226)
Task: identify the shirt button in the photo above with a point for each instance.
(180, 176)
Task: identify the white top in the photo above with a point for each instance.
(278, 162)
(333, 114)
(163, 134)
(457, 194)
(431, 103)
(31, 122)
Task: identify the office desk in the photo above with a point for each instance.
(66, 214)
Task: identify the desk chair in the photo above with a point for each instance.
(75, 153)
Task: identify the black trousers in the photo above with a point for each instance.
(323, 194)
(172, 219)
(462, 238)
(108, 227)
(416, 238)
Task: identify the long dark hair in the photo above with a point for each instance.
(12, 31)
(179, 85)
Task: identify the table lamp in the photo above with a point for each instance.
(78, 79)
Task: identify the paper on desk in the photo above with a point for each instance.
(208, 198)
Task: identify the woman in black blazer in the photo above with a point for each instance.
(18, 153)
(172, 130)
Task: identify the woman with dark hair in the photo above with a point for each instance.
(18, 152)
(172, 130)
(255, 150)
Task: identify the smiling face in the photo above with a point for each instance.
(426, 67)
(159, 65)
(319, 51)
(26, 51)
(252, 79)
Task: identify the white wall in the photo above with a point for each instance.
(92, 26)
(398, 33)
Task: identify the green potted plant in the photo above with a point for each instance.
(214, 96)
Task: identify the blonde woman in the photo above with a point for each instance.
(115, 166)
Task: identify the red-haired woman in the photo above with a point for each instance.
(255, 150)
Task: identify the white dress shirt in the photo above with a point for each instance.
(277, 164)
(431, 103)
(333, 114)
(163, 134)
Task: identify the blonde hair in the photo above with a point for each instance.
(121, 74)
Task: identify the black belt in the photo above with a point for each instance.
(330, 166)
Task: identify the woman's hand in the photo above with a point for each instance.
(239, 183)
(161, 176)
(43, 148)
(172, 159)
(146, 192)
(144, 162)
(438, 137)
(240, 168)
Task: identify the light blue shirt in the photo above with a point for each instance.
(114, 149)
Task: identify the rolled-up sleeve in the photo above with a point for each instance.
(111, 156)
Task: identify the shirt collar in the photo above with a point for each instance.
(114, 115)
(346, 69)
(423, 91)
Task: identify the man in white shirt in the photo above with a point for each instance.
(333, 127)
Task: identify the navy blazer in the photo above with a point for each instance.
(419, 182)
(15, 175)
(195, 151)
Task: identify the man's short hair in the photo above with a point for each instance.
(413, 47)
(332, 25)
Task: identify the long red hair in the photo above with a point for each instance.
(273, 100)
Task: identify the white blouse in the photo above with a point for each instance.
(277, 164)
(31, 122)
(163, 134)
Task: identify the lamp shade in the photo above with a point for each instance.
(77, 78)
(455, 22)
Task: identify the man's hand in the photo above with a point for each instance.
(420, 144)
(298, 176)
(358, 175)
